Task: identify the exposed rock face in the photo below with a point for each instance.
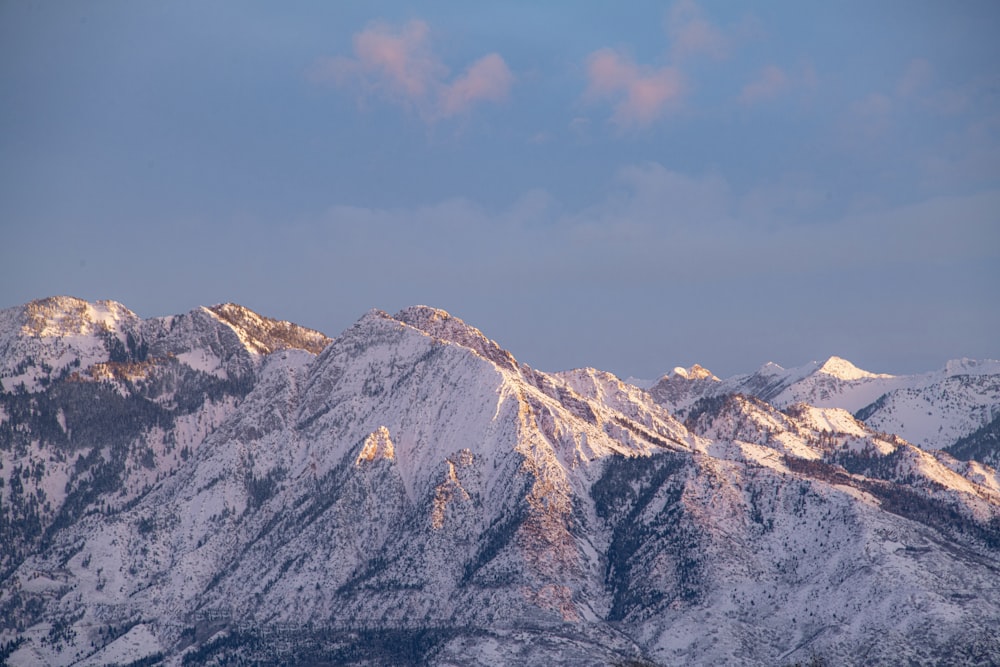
(238, 488)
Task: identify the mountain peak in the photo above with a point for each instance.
(444, 326)
(845, 370)
(696, 372)
(58, 316)
(770, 368)
(264, 335)
(422, 312)
(966, 366)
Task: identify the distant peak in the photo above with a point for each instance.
(966, 366)
(845, 370)
(432, 320)
(68, 315)
(233, 310)
(62, 302)
(265, 335)
(424, 313)
(771, 368)
(696, 372)
(72, 304)
(444, 326)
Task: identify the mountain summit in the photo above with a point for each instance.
(842, 369)
(221, 487)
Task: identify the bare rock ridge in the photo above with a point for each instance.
(220, 487)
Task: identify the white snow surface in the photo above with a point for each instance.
(139, 642)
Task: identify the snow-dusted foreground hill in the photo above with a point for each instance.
(218, 485)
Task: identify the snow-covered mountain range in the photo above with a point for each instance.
(222, 486)
(932, 410)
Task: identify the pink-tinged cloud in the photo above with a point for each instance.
(396, 63)
(399, 65)
(643, 93)
(691, 34)
(488, 79)
(401, 58)
(771, 81)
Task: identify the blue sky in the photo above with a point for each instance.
(628, 188)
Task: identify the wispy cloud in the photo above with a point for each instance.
(771, 81)
(655, 222)
(398, 64)
(642, 92)
(486, 80)
(658, 212)
(395, 62)
(692, 34)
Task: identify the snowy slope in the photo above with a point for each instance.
(938, 409)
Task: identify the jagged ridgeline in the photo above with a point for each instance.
(219, 487)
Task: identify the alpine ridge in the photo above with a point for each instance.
(220, 486)
(934, 410)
